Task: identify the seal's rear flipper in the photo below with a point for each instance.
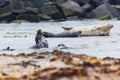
(66, 28)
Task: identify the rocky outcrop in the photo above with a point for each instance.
(17, 5)
(114, 2)
(87, 7)
(72, 8)
(2, 2)
(53, 10)
(28, 17)
(34, 3)
(82, 1)
(58, 1)
(60, 10)
(104, 9)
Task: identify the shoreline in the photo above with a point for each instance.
(58, 65)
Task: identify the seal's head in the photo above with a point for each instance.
(104, 30)
(105, 27)
(62, 46)
(8, 48)
(108, 26)
(39, 32)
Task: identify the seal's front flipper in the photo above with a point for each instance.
(66, 28)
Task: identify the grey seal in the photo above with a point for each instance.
(62, 34)
(40, 40)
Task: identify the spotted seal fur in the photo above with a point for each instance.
(41, 42)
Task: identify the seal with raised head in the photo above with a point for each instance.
(41, 42)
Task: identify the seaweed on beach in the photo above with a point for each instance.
(58, 65)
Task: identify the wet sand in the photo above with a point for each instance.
(58, 65)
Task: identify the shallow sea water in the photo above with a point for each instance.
(20, 36)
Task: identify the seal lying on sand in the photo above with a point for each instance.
(102, 30)
(63, 34)
(41, 42)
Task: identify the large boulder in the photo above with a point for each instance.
(44, 17)
(17, 5)
(53, 9)
(71, 18)
(34, 3)
(114, 2)
(104, 9)
(72, 8)
(2, 2)
(28, 4)
(28, 17)
(28, 10)
(6, 9)
(32, 16)
(5, 14)
(87, 7)
(95, 3)
(82, 1)
(117, 7)
(104, 1)
(58, 1)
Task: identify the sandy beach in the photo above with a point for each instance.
(58, 65)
